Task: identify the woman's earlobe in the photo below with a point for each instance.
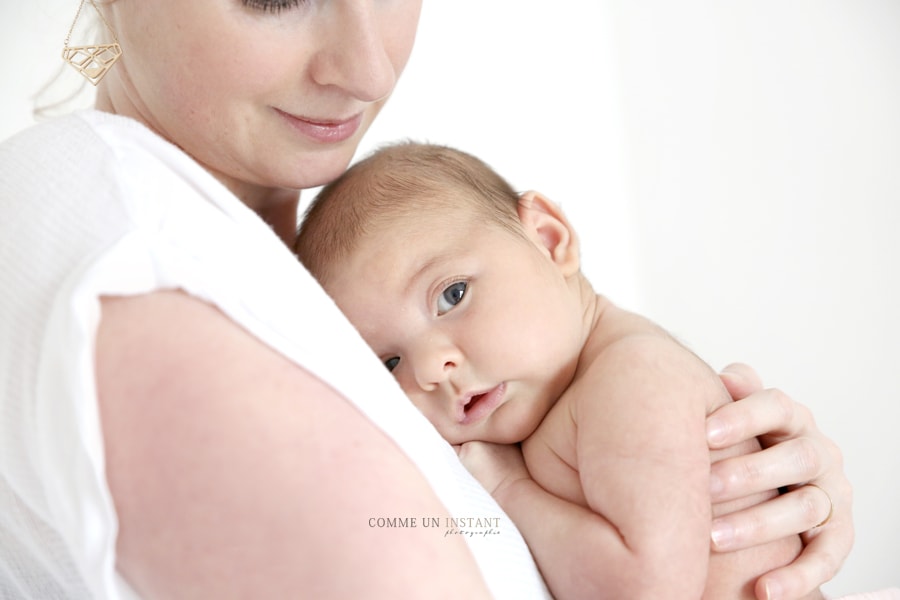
(546, 224)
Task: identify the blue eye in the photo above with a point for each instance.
(451, 296)
(392, 363)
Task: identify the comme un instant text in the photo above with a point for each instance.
(446, 522)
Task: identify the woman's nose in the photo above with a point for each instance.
(356, 56)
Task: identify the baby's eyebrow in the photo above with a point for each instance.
(428, 265)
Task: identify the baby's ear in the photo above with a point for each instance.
(545, 223)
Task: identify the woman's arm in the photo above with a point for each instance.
(796, 453)
(236, 473)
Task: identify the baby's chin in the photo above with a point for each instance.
(518, 425)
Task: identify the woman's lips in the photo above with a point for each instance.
(475, 407)
(324, 131)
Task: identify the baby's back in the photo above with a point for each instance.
(552, 460)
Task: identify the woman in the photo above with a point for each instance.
(184, 408)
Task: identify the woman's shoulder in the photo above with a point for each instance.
(89, 166)
(80, 138)
(84, 122)
(52, 158)
(124, 134)
(68, 135)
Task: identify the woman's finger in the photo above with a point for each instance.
(768, 414)
(803, 459)
(797, 457)
(803, 508)
(826, 548)
(740, 380)
(826, 543)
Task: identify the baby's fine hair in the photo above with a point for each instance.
(398, 181)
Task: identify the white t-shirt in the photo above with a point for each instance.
(94, 204)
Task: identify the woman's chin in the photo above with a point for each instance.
(318, 169)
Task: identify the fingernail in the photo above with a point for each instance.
(716, 486)
(729, 374)
(715, 430)
(773, 590)
(722, 535)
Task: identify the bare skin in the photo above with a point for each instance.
(794, 450)
(211, 469)
(160, 357)
(579, 489)
(222, 486)
(611, 487)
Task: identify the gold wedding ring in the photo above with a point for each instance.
(830, 505)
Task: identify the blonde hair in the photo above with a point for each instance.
(399, 181)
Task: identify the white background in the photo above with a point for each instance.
(733, 170)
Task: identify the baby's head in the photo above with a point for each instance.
(462, 286)
(399, 182)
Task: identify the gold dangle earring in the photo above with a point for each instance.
(92, 61)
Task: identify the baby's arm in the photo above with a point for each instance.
(643, 461)
(578, 551)
(641, 528)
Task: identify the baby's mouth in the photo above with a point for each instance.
(477, 406)
(473, 402)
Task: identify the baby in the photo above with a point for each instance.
(473, 297)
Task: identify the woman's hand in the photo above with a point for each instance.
(493, 465)
(796, 456)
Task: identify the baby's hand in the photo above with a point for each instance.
(493, 465)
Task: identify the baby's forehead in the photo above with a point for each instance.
(432, 213)
(388, 258)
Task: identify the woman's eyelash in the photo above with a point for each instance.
(273, 6)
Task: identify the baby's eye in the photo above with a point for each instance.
(451, 296)
(273, 6)
(392, 363)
